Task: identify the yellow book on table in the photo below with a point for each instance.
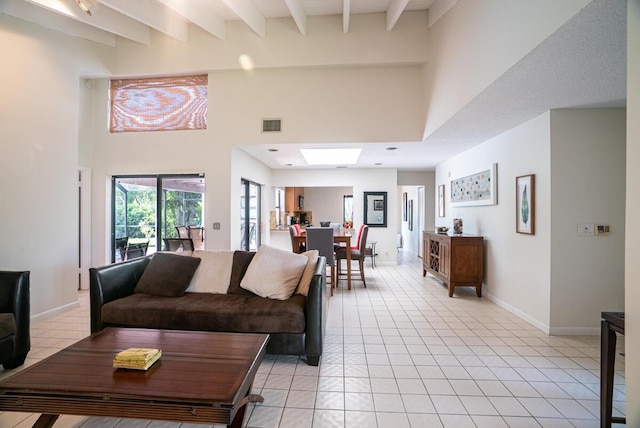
(136, 358)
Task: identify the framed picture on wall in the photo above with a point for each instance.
(404, 206)
(525, 204)
(441, 200)
(410, 214)
(375, 209)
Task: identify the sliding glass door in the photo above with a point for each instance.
(147, 208)
(249, 215)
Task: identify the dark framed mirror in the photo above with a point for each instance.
(375, 209)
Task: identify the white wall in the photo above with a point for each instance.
(517, 267)
(326, 203)
(553, 279)
(245, 167)
(362, 180)
(471, 36)
(39, 111)
(587, 186)
(410, 181)
(632, 255)
(237, 102)
(367, 42)
(410, 238)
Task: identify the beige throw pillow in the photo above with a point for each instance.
(274, 273)
(214, 273)
(307, 274)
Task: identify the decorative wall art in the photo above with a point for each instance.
(526, 204)
(410, 214)
(441, 200)
(375, 211)
(404, 206)
(480, 188)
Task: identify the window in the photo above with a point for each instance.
(158, 104)
(347, 210)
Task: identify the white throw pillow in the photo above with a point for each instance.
(274, 273)
(309, 270)
(214, 273)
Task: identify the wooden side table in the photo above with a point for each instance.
(612, 323)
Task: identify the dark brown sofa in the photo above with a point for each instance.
(15, 304)
(296, 325)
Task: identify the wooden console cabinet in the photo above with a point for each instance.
(457, 260)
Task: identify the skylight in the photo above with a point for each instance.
(331, 156)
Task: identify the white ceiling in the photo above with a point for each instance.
(582, 65)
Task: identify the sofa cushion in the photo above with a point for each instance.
(167, 275)
(241, 261)
(7, 325)
(274, 273)
(208, 312)
(309, 270)
(214, 273)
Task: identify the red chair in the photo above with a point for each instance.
(294, 230)
(357, 253)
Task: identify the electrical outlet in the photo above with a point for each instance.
(585, 229)
(216, 226)
(603, 229)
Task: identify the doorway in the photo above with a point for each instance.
(250, 219)
(148, 208)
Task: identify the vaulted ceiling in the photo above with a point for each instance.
(591, 72)
(102, 20)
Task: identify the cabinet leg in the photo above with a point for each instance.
(479, 290)
(451, 287)
(424, 272)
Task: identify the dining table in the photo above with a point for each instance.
(341, 237)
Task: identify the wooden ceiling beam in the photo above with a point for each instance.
(152, 14)
(396, 7)
(250, 14)
(200, 13)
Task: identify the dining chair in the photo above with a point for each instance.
(183, 232)
(176, 244)
(358, 253)
(197, 235)
(293, 232)
(136, 250)
(121, 246)
(321, 239)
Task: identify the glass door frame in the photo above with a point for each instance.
(245, 213)
(160, 218)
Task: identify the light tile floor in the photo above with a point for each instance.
(401, 353)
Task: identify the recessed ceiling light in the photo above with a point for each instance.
(288, 164)
(341, 166)
(273, 150)
(392, 148)
(378, 163)
(331, 156)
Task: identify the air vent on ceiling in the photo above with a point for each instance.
(271, 125)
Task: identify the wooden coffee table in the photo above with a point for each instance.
(202, 377)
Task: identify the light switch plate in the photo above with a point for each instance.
(585, 229)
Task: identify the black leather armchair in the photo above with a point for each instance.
(15, 312)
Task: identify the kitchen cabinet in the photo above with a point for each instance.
(294, 199)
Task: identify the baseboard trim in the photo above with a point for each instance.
(55, 311)
(534, 322)
(552, 331)
(575, 331)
